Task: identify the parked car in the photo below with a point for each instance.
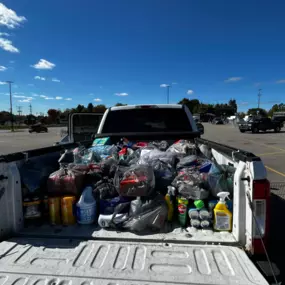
(217, 121)
(199, 126)
(38, 128)
(260, 124)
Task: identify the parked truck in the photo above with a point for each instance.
(260, 124)
(81, 254)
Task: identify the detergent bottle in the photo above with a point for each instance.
(86, 207)
(222, 215)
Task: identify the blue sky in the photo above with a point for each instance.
(64, 53)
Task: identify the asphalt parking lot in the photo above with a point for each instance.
(22, 140)
(269, 146)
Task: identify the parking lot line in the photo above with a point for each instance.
(268, 146)
(271, 153)
(275, 171)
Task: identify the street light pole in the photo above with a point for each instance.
(259, 95)
(11, 105)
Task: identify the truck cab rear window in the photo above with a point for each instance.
(147, 120)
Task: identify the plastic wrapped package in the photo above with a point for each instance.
(66, 181)
(137, 180)
(108, 166)
(220, 179)
(183, 148)
(108, 206)
(150, 214)
(105, 151)
(149, 155)
(190, 184)
(164, 174)
(161, 145)
(190, 160)
(85, 156)
(105, 189)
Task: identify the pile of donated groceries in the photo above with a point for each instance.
(132, 186)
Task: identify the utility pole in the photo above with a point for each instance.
(31, 110)
(19, 110)
(259, 95)
(167, 86)
(11, 104)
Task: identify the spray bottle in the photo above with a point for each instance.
(222, 215)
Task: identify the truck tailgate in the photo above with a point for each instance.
(61, 261)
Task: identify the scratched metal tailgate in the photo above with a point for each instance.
(25, 261)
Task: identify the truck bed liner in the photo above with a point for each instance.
(176, 234)
(58, 262)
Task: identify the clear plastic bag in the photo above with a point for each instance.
(137, 180)
(190, 184)
(85, 156)
(182, 148)
(220, 179)
(187, 161)
(105, 151)
(164, 174)
(67, 181)
(148, 155)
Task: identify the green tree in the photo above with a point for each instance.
(257, 111)
(120, 104)
(90, 108)
(193, 104)
(233, 105)
(99, 108)
(80, 108)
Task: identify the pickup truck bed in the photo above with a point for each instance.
(70, 261)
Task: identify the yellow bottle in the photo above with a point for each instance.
(222, 216)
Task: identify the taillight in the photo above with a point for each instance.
(261, 203)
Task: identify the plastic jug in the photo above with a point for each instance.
(86, 207)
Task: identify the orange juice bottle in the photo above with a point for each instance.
(67, 210)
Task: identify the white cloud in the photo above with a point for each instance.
(24, 101)
(280, 81)
(190, 92)
(35, 94)
(97, 100)
(9, 18)
(43, 64)
(58, 98)
(19, 96)
(121, 94)
(3, 68)
(233, 79)
(55, 80)
(164, 85)
(43, 96)
(4, 35)
(49, 98)
(40, 78)
(3, 82)
(7, 45)
(68, 99)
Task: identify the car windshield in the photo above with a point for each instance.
(147, 120)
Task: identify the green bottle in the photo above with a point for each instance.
(182, 204)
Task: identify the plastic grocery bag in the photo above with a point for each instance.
(190, 184)
(105, 151)
(149, 214)
(187, 161)
(220, 179)
(108, 206)
(85, 156)
(182, 148)
(67, 181)
(148, 155)
(105, 189)
(164, 174)
(137, 180)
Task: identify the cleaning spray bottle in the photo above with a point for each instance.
(222, 215)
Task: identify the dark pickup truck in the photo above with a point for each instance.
(262, 124)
